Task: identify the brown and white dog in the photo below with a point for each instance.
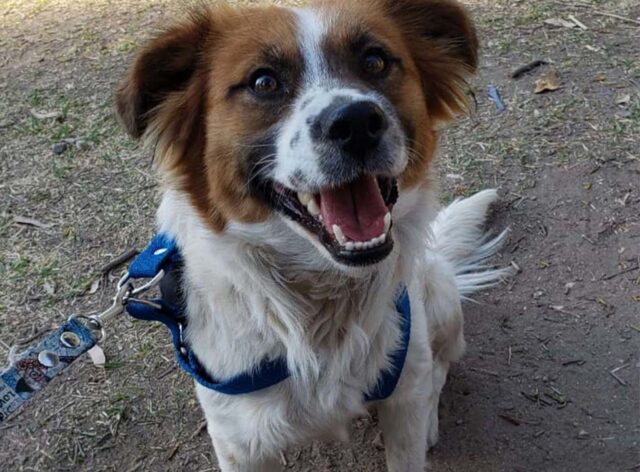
(295, 147)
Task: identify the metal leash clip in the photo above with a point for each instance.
(125, 292)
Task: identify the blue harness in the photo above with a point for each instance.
(162, 254)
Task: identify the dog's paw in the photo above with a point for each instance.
(432, 427)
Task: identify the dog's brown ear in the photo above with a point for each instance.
(443, 42)
(165, 66)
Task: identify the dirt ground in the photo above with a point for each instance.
(551, 378)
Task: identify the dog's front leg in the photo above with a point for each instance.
(234, 458)
(404, 428)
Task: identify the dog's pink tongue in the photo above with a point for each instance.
(358, 208)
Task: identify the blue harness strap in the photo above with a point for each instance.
(389, 378)
(34, 368)
(162, 254)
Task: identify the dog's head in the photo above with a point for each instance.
(319, 115)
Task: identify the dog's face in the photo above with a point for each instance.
(321, 115)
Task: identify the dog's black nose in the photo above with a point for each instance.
(357, 127)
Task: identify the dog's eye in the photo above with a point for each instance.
(375, 63)
(264, 83)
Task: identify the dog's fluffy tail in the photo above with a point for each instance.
(459, 236)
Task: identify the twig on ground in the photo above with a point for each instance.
(617, 377)
(25, 220)
(590, 241)
(606, 13)
(283, 459)
(509, 419)
(118, 261)
(195, 434)
(198, 431)
(520, 71)
(579, 23)
(484, 371)
(64, 407)
(35, 335)
(173, 452)
(622, 272)
(166, 372)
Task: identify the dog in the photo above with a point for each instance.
(295, 148)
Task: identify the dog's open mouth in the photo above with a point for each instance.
(352, 221)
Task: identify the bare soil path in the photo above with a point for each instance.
(551, 378)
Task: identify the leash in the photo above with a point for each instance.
(32, 369)
(160, 265)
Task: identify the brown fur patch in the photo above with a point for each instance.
(185, 93)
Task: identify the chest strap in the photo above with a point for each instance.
(163, 256)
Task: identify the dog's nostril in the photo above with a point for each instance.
(340, 130)
(376, 124)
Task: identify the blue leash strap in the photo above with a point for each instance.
(34, 368)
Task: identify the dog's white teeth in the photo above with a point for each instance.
(340, 237)
(357, 245)
(379, 240)
(304, 198)
(387, 223)
(313, 208)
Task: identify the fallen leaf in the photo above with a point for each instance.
(560, 22)
(95, 285)
(623, 99)
(548, 83)
(97, 356)
(45, 115)
(24, 220)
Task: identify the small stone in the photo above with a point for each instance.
(459, 422)
(82, 145)
(582, 434)
(60, 148)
